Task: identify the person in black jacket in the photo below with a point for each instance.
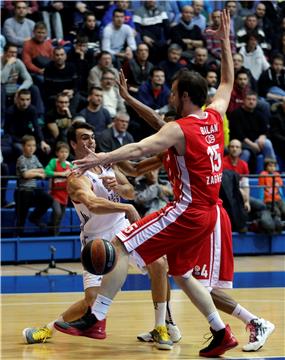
(277, 133)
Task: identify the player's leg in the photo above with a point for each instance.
(259, 328)
(223, 339)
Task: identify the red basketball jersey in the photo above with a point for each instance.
(197, 175)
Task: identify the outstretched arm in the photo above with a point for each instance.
(145, 112)
(168, 136)
(222, 97)
(136, 169)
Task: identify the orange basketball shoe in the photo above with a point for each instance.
(87, 326)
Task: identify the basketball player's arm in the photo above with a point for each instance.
(222, 97)
(123, 188)
(145, 112)
(136, 169)
(79, 190)
(169, 135)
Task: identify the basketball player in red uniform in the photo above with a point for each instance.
(194, 166)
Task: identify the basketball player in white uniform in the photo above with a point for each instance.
(96, 198)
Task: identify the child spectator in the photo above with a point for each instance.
(272, 200)
(59, 169)
(27, 194)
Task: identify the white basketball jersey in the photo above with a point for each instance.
(98, 225)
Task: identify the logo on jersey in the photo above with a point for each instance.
(210, 139)
(84, 217)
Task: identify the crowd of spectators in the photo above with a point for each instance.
(60, 61)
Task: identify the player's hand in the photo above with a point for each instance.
(132, 214)
(223, 32)
(122, 84)
(88, 162)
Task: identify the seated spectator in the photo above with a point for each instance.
(58, 119)
(186, 34)
(118, 39)
(236, 20)
(272, 190)
(199, 19)
(254, 58)
(18, 28)
(116, 135)
(172, 64)
(212, 79)
(277, 133)
(238, 65)
(27, 194)
(263, 22)
(137, 70)
(95, 114)
(251, 26)
(90, 29)
(271, 83)
(59, 75)
(112, 100)
(152, 24)
(58, 169)
(38, 53)
(213, 44)
(122, 5)
(15, 77)
(104, 62)
(240, 89)
(248, 125)
(200, 62)
(22, 119)
(83, 59)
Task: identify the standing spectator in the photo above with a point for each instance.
(95, 114)
(27, 194)
(153, 26)
(37, 53)
(116, 135)
(272, 191)
(18, 28)
(199, 19)
(271, 83)
(22, 119)
(118, 38)
(186, 34)
(15, 77)
(112, 100)
(58, 169)
(104, 62)
(214, 45)
(249, 125)
(58, 119)
(277, 133)
(254, 58)
(137, 70)
(59, 75)
(172, 64)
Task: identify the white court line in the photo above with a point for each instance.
(132, 301)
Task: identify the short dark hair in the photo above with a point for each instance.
(87, 14)
(60, 145)
(24, 92)
(154, 69)
(81, 39)
(121, 11)
(98, 88)
(268, 161)
(251, 93)
(58, 48)
(8, 45)
(277, 56)
(40, 25)
(27, 138)
(71, 132)
(194, 84)
(242, 71)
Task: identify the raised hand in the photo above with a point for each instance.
(89, 161)
(122, 84)
(223, 32)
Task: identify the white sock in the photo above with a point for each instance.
(101, 306)
(243, 314)
(169, 316)
(160, 313)
(51, 324)
(215, 321)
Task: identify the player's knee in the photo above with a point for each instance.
(158, 267)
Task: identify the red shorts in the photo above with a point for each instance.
(178, 231)
(215, 265)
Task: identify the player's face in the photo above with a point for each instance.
(84, 139)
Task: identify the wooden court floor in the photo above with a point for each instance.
(131, 314)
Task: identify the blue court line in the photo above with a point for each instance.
(71, 283)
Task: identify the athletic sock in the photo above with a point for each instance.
(215, 321)
(101, 306)
(51, 324)
(169, 317)
(159, 312)
(243, 314)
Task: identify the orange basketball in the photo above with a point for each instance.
(98, 257)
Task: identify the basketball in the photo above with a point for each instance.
(98, 257)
